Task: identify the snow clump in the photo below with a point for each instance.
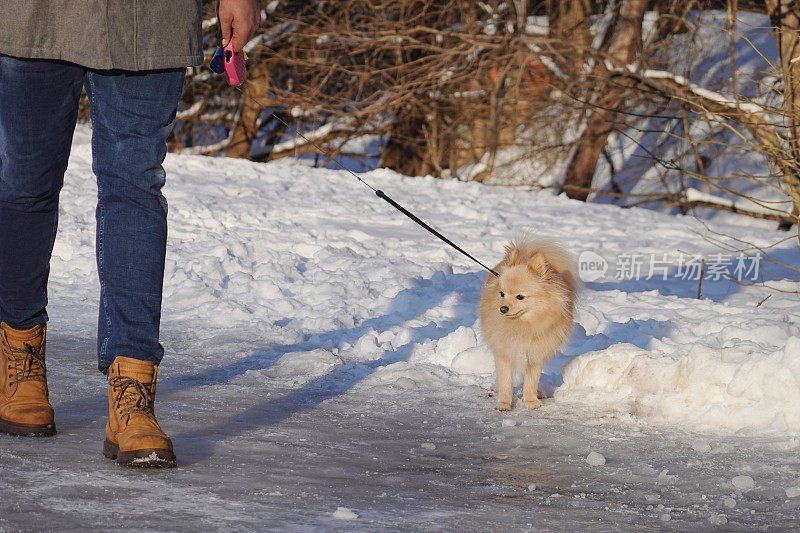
(343, 513)
(743, 483)
(595, 459)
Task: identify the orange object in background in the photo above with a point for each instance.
(534, 74)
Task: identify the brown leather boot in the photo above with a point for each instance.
(133, 436)
(24, 405)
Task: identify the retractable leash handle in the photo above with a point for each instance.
(230, 63)
(235, 68)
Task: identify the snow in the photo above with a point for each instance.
(750, 380)
(774, 208)
(743, 483)
(343, 513)
(702, 92)
(311, 137)
(595, 459)
(665, 477)
(153, 458)
(718, 520)
(316, 341)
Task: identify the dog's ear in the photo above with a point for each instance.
(513, 255)
(538, 265)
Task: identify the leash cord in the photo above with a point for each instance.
(379, 193)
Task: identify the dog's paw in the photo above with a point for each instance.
(503, 406)
(541, 395)
(533, 404)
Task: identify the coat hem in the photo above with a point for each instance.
(135, 65)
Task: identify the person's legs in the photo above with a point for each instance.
(38, 112)
(132, 116)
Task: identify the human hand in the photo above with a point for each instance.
(239, 17)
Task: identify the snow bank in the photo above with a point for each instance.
(745, 386)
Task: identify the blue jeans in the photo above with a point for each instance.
(132, 115)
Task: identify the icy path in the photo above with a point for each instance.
(323, 353)
(286, 459)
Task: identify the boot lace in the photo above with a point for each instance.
(132, 396)
(25, 363)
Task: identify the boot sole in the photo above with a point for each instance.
(27, 430)
(139, 458)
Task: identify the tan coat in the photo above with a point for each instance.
(104, 34)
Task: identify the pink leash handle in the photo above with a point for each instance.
(234, 65)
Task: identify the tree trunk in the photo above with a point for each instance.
(785, 16)
(493, 124)
(625, 43)
(246, 128)
(569, 32)
(405, 151)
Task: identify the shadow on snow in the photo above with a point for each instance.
(409, 304)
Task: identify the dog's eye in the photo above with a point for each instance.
(520, 297)
(502, 295)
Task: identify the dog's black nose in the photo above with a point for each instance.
(504, 309)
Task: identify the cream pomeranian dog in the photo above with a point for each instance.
(526, 313)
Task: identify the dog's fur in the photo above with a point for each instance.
(535, 327)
